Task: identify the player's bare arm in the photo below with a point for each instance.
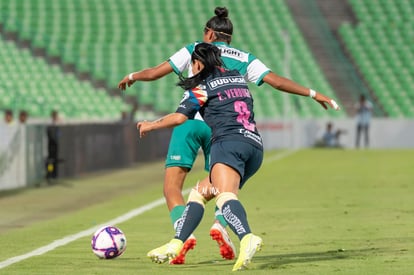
(289, 86)
(149, 74)
(167, 121)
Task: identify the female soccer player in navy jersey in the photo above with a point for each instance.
(223, 99)
(189, 137)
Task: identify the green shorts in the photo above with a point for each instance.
(186, 141)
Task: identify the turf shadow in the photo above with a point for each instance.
(280, 260)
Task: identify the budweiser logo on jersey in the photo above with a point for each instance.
(223, 81)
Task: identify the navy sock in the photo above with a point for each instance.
(235, 215)
(191, 218)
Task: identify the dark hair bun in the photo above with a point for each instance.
(221, 12)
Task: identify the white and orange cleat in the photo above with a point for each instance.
(220, 235)
(189, 244)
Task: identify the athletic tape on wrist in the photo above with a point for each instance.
(130, 76)
(335, 105)
(312, 93)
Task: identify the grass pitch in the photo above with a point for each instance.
(318, 212)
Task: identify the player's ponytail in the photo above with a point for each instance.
(209, 55)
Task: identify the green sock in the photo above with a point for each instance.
(219, 217)
(176, 213)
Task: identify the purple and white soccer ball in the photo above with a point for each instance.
(108, 242)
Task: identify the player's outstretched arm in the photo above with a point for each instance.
(289, 86)
(167, 121)
(148, 74)
(324, 101)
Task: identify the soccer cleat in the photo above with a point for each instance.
(220, 235)
(166, 252)
(249, 245)
(189, 244)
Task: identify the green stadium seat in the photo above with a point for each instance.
(96, 37)
(385, 38)
(46, 88)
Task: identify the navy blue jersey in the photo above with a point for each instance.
(226, 105)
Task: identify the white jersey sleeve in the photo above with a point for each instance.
(180, 61)
(256, 70)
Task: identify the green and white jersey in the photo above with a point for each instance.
(246, 63)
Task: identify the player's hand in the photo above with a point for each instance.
(124, 82)
(143, 127)
(325, 101)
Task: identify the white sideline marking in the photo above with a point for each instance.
(88, 232)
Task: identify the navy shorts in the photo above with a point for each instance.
(244, 157)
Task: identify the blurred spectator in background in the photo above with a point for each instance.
(54, 115)
(8, 117)
(52, 147)
(125, 117)
(330, 138)
(364, 110)
(23, 115)
(6, 129)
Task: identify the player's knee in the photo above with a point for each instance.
(206, 189)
